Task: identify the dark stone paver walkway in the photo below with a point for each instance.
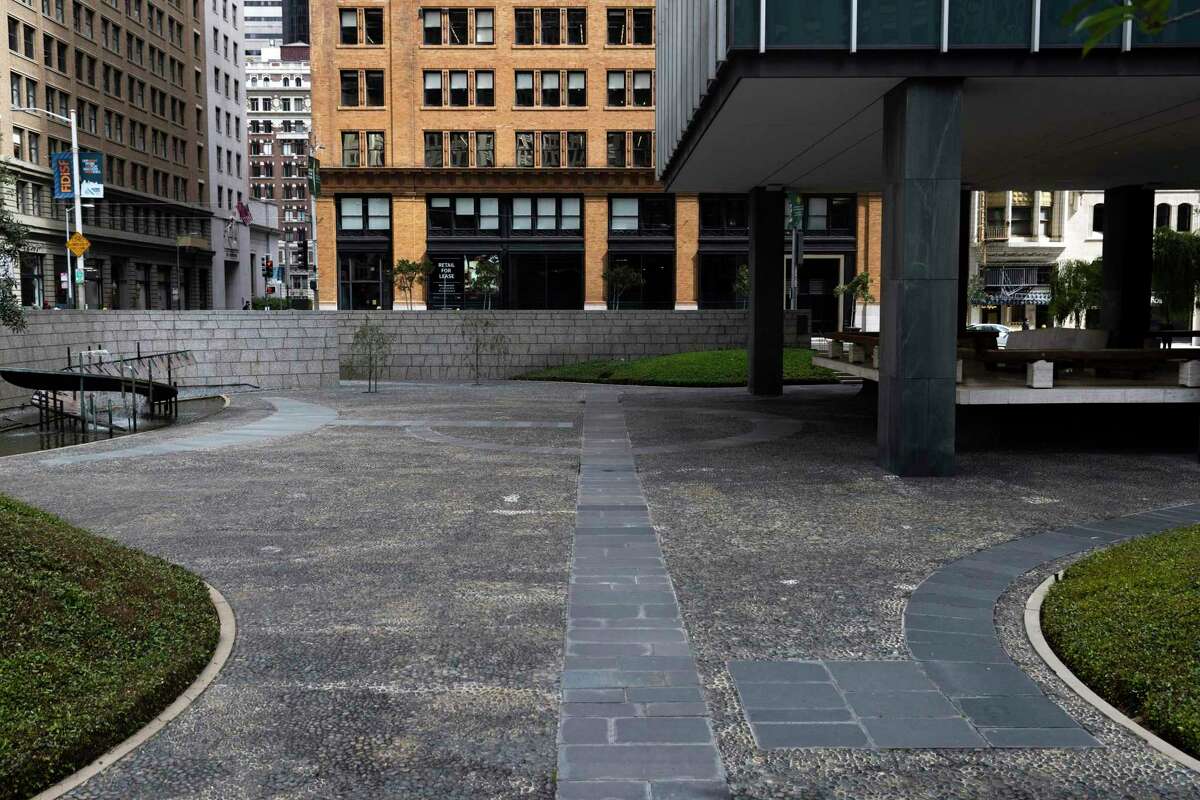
(633, 725)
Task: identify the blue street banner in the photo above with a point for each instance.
(91, 170)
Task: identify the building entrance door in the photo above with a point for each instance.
(818, 276)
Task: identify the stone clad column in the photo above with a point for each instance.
(687, 247)
(1128, 251)
(765, 348)
(922, 155)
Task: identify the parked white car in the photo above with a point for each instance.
(1002, 332)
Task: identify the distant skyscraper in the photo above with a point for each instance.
(295, 21)
(264, 26)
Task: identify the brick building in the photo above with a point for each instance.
(503, 131)
(135, 74)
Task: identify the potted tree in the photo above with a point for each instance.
(859, 289)
(409, 274)
(619, 277)
(483, 277)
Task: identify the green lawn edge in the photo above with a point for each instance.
(96, 639)
(699, 369)
(1126, 621)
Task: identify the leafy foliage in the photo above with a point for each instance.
(483, 277)
(1176, 274)
(409, 274)
(704, 368)
(859, 289)
(1100, 18)
(1127, 622)
(12, 240)
(95, 640)
(1075, 289)
(741, 285)
(619, 277)
(369, 353)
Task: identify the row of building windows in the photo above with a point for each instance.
(467, 88)
(547, 27)
(547, 149)
(269, 104)
(285, 126)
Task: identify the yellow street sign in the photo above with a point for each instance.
(78, 244)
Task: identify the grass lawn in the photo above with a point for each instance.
(95, 640)
(706, 368)
(1127, 622)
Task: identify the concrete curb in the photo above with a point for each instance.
(189, 696)
(1033, 628)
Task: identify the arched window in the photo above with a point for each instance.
(1098, 218)
(1162, 215)
(287, 82)
(1183, 217)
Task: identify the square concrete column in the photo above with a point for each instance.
(1128, 251)
(765, 348)
(966, 224)
(922, 152)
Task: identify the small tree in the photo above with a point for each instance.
(369, 353)
(859, 289)
(619, 277)
(483, 338)
(409, 274)
(1075, 289)
(741, 285)
(483, 277)
(12, 241)
(1176, 273)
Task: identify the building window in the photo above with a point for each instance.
(375, 149)
(643, 26)
(374, 87)
(524, 89)
(1162, 215)
(643, 88)
(577, 89)
(350, 149)
(458, 89)
(577, 149)
(485, 26)
(551, 26)
(372, 26)
(433, 88)
(550, 91)
(723, 215)
(551, 149)
(623, 214)
(1183, 215)
(431, 19)
(456, 26)
(485, 92)
(616, 26)
(651, 214)
(615, 148)
(829, 215)
(524, 148)
(433, 148)
(485, 149)
(460, 149)
(523, 30)
(616, 88)
(643, 148)
(349, 25)
(577, 26)
(1098, 218)
(349, 79)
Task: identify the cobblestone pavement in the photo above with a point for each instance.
(401, 587)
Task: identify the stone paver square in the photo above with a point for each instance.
(602, 790)
(910, 732)
(778, 671)
(901, 704)
(664, 730)
(638, 762)
(879, 676)
(789, 695)
(772, 736)
(1039, 737)
(689, 790)
(960, 679)
(1021, 711)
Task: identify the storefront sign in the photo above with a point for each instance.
(446, 284)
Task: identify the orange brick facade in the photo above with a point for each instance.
(401, 115)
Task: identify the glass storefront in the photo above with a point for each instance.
(364, 247)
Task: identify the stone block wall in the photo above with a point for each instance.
(268, 349)
(307, 349)
(433, 345)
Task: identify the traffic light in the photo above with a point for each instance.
(268, 268)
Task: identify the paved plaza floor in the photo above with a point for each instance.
(519, 590)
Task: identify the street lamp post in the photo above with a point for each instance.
(74, 292)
